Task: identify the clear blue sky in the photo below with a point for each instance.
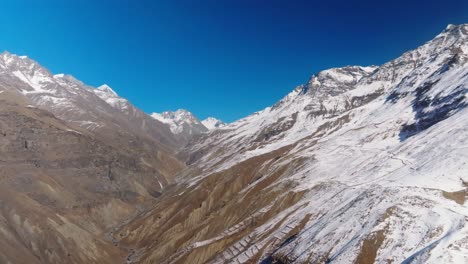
(215, 58)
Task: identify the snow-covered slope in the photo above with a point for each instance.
(358, 165)
(213, 123)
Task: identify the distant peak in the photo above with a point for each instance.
(24, 64)
(453, 26)
(456, 30)
(106, 88)
(59, 75)
(181, 121)
(183, 111)
(7, 54)
(179, 114)
(450, 26)
(213, 123)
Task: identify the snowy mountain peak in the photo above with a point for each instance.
(451, 35)
(34, 78)
(181, 121)
(112, 98)
(6, 55)
(322, 90)
(452, 27)
(168, 115)
(106, 89)
(337, 77)
(213, 123)
(10, 59)
(180, 115)
(12, 62)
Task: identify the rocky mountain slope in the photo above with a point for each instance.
(100, 110)
(358, 165)
(73, 166)
(60, 189)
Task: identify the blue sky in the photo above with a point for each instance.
(215, 58)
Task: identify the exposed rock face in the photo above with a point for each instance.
(345, 169)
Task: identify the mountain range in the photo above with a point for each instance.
(356, 165)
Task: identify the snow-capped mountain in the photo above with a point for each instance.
(182, 123)
(74, 161)
(212, 123)
(185, 124)
(358, 165)
(112, 98)
(180, 120)
(100, 110)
